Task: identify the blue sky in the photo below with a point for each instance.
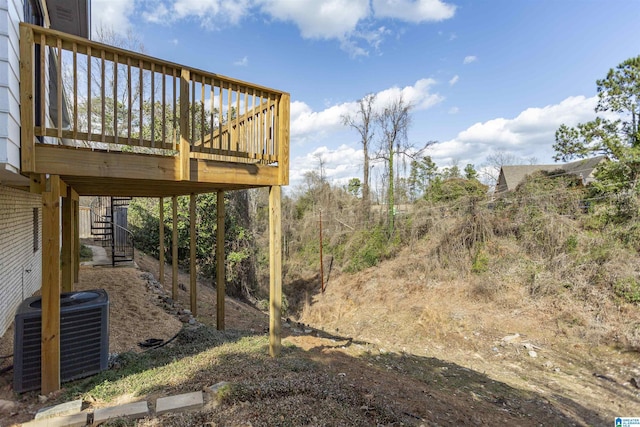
(484, 76)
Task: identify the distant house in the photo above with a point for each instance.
(511, 176)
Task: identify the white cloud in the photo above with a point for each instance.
(157, 14)
(112, 14)
(454, 80)
(454, 110)
(353, 23)
(319, 19)
(530, 134)
(307, 124)
(414, 10)
(340, 164)
(242, 62)
(418, 95)
(211, 14)
(469, 59)
(174, 42)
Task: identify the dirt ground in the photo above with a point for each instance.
(537, 345)
(443, 358)
(136, 314)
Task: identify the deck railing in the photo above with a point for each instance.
(87, 94)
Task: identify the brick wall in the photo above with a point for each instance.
(20, 265)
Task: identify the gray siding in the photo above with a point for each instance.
(11, 13)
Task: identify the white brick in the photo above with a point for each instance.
(20, 266)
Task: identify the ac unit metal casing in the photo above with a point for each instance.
(84, 338)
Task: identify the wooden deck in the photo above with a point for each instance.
(101, 121)
(115, 122)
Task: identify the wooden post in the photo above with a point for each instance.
(174, 249)
(76, 236)
(50, 349)
(283, 138)
(37, 183)
(193, 291)
(275, 270)
(67, 242)
(27, 100)
(161, 233)
(185, 148)
(220, 264)
(321, 257)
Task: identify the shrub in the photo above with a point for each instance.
(480, 262)
(367, 249)
(628, 289)
(571, 244)
(86, 254)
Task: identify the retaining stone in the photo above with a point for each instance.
(133, 410)
(75, 420)
(180, 402)
(67, 408)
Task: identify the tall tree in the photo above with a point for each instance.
(416, 180)
(452, 171)
(618, 138)
(394, 121)
(363, 122)
(354, 186)
(470, 172)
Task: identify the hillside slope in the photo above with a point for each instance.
(544, 331)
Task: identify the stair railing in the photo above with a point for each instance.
(105, 213)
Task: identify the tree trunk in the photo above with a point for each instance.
(366, 200)
(390, 199)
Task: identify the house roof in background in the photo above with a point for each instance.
(515, 174)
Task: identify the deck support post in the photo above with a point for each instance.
(68, 240)
(50, 344)
(275, 270)
(283, 138)
(174, 249)
(193, 291)
(76, 236)
(185, 147)
(161, 240)
(220, 261)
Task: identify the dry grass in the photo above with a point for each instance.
(546, 280)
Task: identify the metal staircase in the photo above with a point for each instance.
(109, 227)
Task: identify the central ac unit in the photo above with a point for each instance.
(84, 338)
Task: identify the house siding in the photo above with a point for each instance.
(11, 13)
(20, 265)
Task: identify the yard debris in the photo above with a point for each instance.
(7, 406)
(511, 338)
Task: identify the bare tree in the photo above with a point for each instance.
(394, 121)
(363, 122)
(321, 167)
